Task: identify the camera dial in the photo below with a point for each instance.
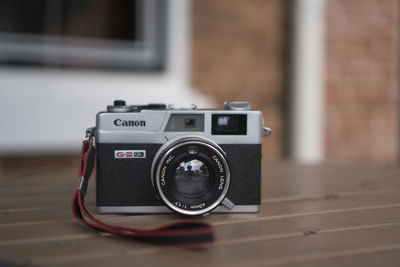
(237, 106)
(191, 175)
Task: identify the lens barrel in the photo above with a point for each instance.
(191, 175)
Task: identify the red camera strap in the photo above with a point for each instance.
(184, 233)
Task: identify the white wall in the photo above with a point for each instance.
(47, 110)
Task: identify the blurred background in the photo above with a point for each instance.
(325, 73)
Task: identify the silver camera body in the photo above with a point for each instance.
(157, 159)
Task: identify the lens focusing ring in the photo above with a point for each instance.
(175, 151)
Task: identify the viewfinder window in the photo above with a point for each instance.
(229, 124)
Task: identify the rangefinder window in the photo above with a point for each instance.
(229, 124)
(185, 123)
(190, 123)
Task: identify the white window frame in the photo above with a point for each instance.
(307, 110)
(48, 110)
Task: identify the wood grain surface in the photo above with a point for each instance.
(325, 215)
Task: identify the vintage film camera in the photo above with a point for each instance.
(154, 159)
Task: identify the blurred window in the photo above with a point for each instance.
(110, 34)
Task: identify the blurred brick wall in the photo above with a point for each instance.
(238, 54)
(362, 100)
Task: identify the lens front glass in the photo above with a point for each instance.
(192, 178)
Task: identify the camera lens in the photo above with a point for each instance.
(191, 175)
(192, 178)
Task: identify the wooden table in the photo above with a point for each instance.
(326, 215)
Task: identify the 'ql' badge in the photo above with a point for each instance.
(130, 154)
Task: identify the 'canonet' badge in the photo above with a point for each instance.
(130, 154)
